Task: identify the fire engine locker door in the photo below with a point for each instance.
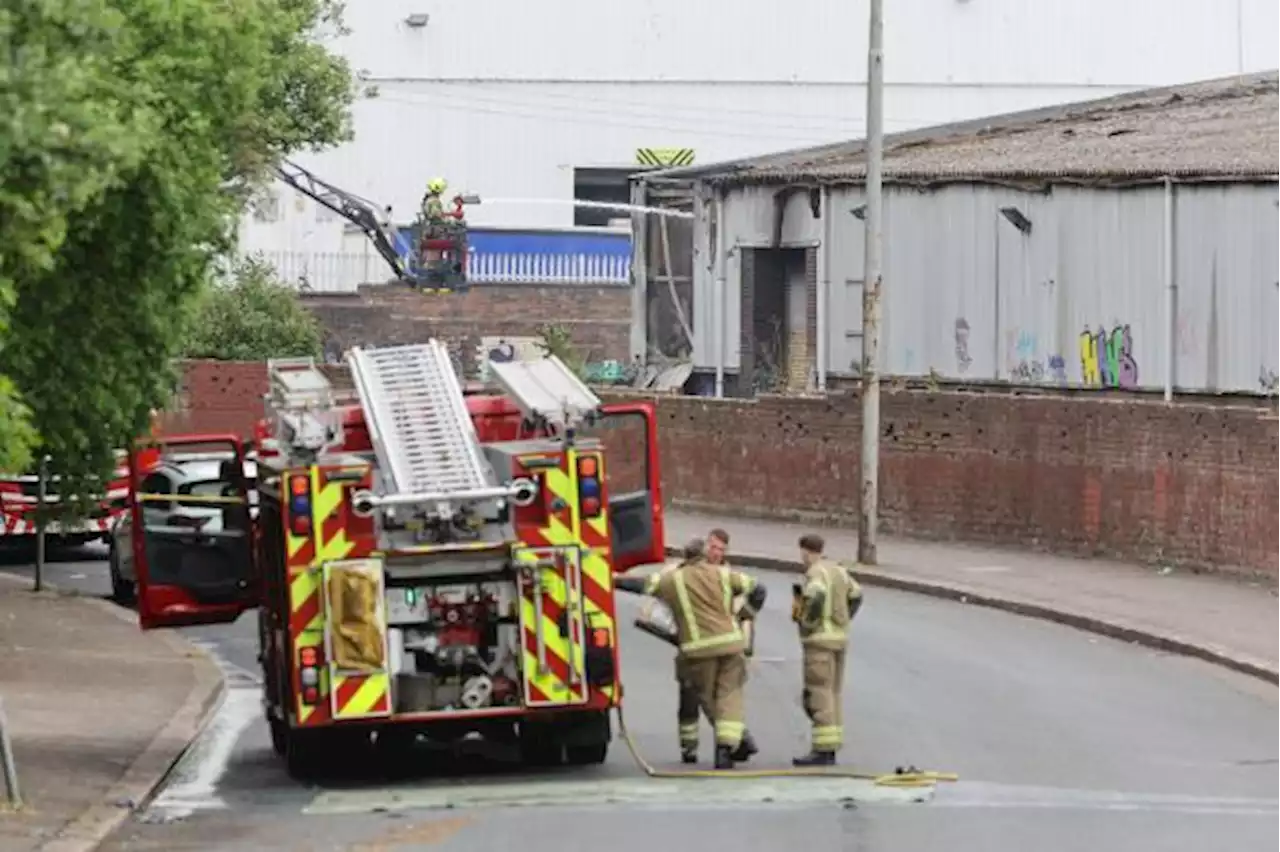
(633, 482)
(189, 532)
(552, 626)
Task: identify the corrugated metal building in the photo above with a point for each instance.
(551, 100)
(1125, 242)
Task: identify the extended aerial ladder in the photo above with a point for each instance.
(445, 272)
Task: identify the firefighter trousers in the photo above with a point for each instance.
(688, 710)
(823, 691)
(718, 684)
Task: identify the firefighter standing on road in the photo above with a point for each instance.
(700, 595)
(823, 608)
(716, 548)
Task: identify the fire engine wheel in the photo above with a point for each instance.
(279, 736)
(586, 755)
(308, 754)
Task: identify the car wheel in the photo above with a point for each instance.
(123, 592)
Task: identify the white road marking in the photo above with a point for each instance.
(697, 792)
(1000, 796)
(987, 569)
(193, 784)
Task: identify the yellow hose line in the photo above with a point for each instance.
(910, 778)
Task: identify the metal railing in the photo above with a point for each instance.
(593, 257)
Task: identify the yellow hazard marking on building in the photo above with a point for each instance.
(666, 157)
(372, 697)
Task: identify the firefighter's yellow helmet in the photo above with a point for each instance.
(437, 185)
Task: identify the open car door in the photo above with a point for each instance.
(633, 482)
(191, 536)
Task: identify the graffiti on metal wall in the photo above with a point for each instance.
(1037, 372)
(1106, 357)
(1024, 363)
(961, 337)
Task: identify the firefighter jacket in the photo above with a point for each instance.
(700, 596)
(831, 597)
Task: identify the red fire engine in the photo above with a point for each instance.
(422, 561)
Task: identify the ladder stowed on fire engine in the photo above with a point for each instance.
(431, 468)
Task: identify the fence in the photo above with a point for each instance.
(590, 257)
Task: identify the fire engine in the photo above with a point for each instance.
(423, 561)
(20, 495)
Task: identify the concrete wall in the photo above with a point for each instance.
(1191, 483)
(969, 297)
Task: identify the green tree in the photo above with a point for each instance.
(557, 340)
(252, 317)
(135, 131)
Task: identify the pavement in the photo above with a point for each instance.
(1221, 619)
(97, 711)
(1063, 740)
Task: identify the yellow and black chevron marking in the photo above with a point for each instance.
(665, 157)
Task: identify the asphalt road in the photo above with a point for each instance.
(1063, 741)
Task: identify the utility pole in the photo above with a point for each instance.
(870, 470)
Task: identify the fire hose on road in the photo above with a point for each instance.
(910, 776)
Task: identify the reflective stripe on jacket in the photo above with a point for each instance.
(829, 592)
(701, 599)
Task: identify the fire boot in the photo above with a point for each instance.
(689, 755)
(816, 758)
(724, 757)
(746, 748)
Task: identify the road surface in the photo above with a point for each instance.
(1063, 741)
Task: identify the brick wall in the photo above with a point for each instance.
(1190, 484)
(598, 317)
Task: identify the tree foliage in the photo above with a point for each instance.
(557, 340)
(134, 132)
(252, 317)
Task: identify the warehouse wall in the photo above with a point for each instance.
(969, 297)
(504, 98)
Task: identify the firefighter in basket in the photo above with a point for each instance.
(710, 639)
(822, 608)
(433, 202)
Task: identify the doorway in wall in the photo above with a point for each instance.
(777, 318)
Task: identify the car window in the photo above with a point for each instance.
(204, 488)
(156, 483)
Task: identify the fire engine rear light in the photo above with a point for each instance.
(300, 506)
(590, 491)
(600, 638)
(309, 677)
(310, 695)
(309, 656)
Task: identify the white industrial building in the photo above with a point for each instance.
(1128, 242)
(551, 100)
